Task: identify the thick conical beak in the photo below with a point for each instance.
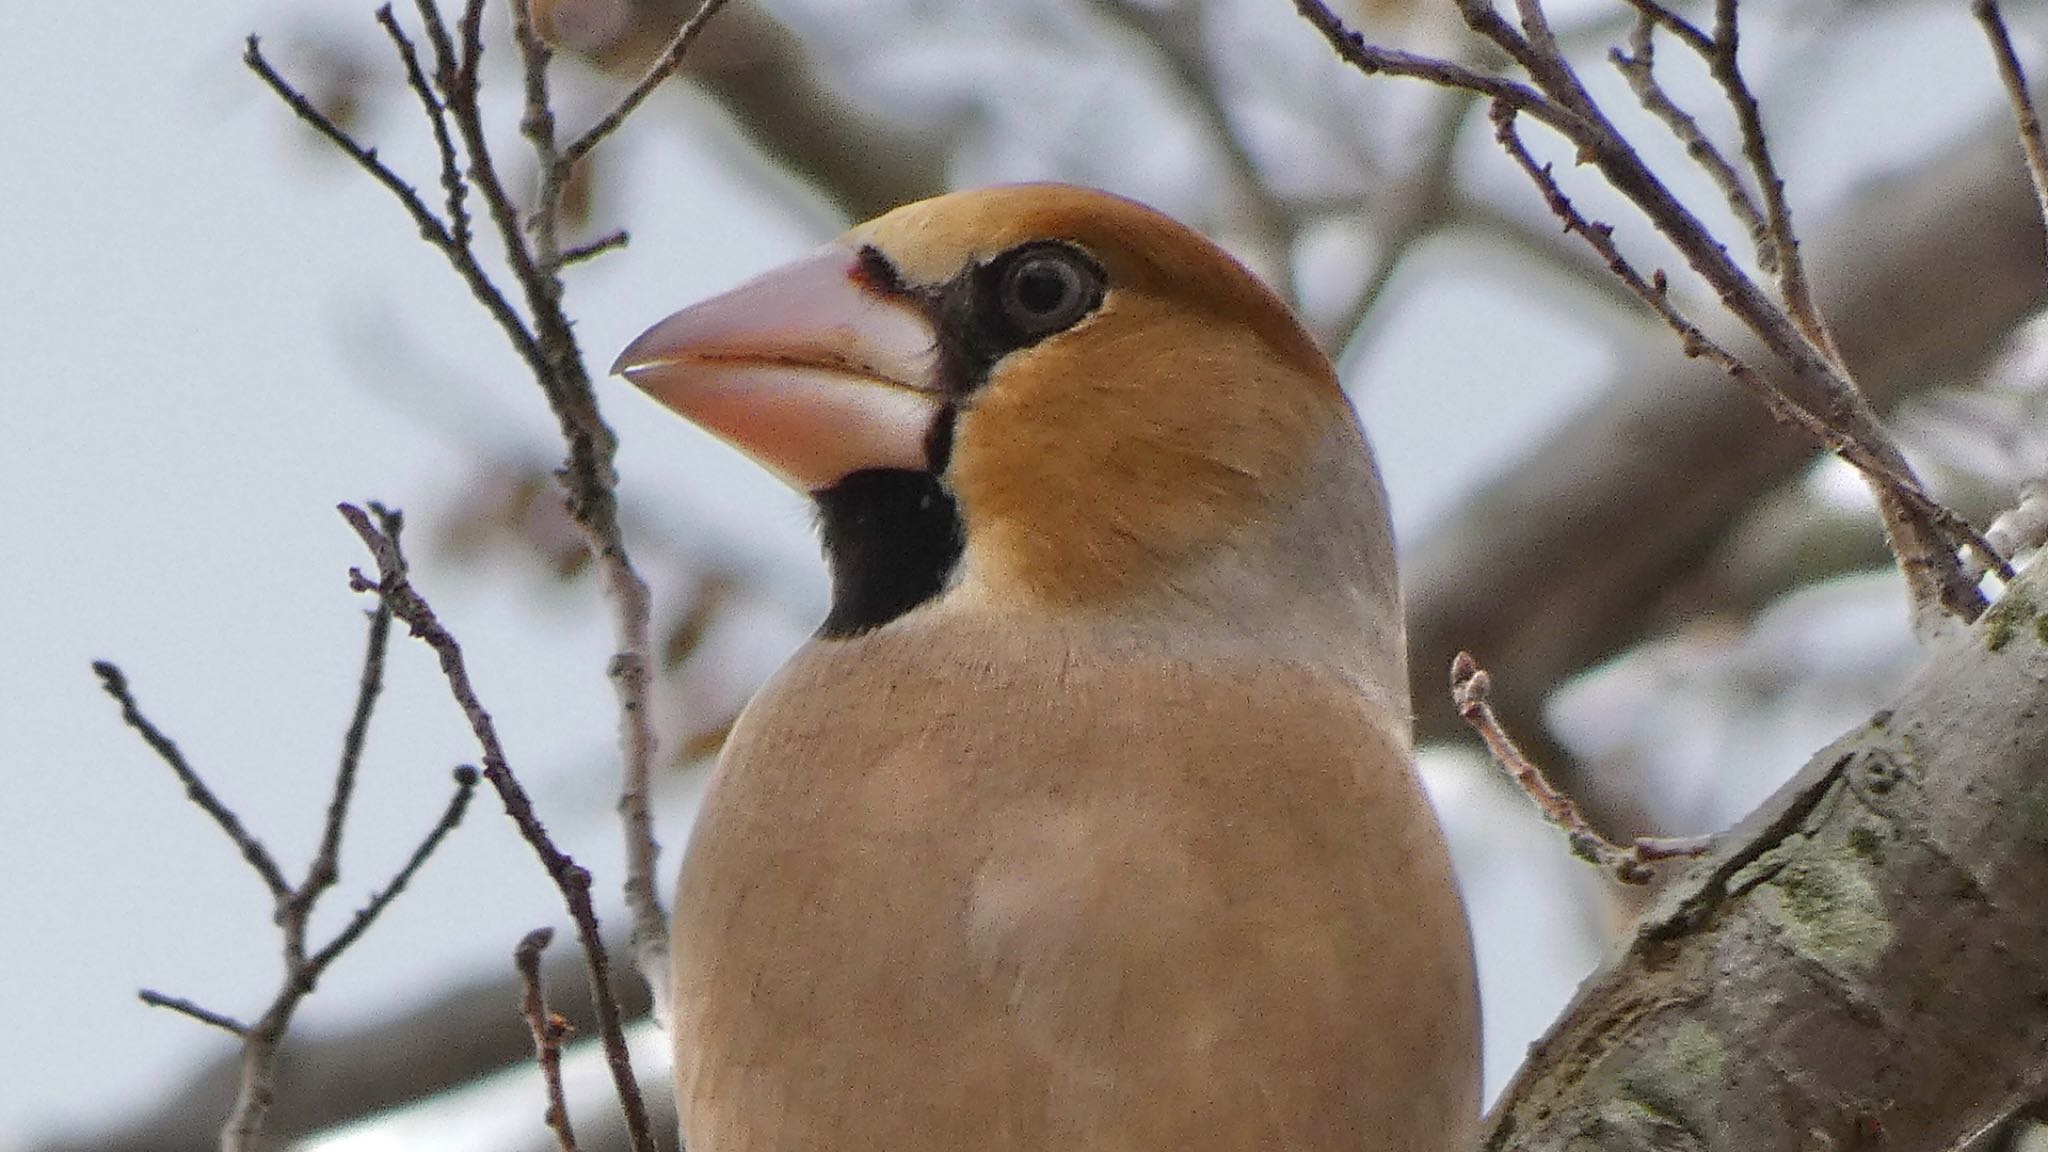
(809, 369)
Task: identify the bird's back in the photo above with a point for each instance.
(1040, 886)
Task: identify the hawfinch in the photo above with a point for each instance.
(1088, 819)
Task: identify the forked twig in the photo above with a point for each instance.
(393, 586)
(1627, 863)
(1818, 395)
(292, 903)
(447, 86)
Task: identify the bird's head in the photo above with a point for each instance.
(1041, 393)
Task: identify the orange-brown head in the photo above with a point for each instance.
(1041, 393)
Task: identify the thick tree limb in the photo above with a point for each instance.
(1566, 558)
(1861, 962)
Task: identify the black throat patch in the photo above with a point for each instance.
(892, 538)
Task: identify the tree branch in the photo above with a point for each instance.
(394, 588)
(256, 1087)
(535, 257)
(115, 683)
(1818, 388)
(1843, 971)
(1588, 541)
(548, 1031)
(2025, 119)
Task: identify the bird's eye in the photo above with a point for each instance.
(1048, 287)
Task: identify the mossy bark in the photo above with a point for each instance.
(1863, 963)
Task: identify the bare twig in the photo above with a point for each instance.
(1663, 17)
(548, 1031)
(1861, 452)
(1819, 394)
(453, 187)
(293, 904)
(458, 804)
(664, 66)
(578, 253)
(2025, 118)
(1376, 61)
(1627, 863)
(303, 970)
(260, 860)
(1778, 250)
(1637, 66)
(186, 1007)
(394, 587)
(326, 866)
(546, 341)
(458, 253)
(537, 124)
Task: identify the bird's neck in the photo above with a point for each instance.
(1314, 583)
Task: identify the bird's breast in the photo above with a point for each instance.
(970, 885)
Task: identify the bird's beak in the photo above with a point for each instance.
(809, 369)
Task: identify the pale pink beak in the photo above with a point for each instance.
(808, 369)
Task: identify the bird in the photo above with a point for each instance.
(1088, 818)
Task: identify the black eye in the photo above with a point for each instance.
(1045, 288)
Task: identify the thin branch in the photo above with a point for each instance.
(542, 290)
(1374, 60)
(664, 66)
(431, 228)
(453, 187)
(537, 124)
(394, 587)
(458, 804)
(1778, 253)
(2014, 78)
(1535, 50)
(293, 906)
(115, 683)
(1819, 394)
(1637, 66)
(535, 257)
(577, 254)
(1655, 292)
(548, 1030)
(186, 1007)
(1663, 17)
(260, 1041)
(445, 63)
(326, 866)
(1627, 863)
(459, 255)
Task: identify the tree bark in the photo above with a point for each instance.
(1863, 963)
